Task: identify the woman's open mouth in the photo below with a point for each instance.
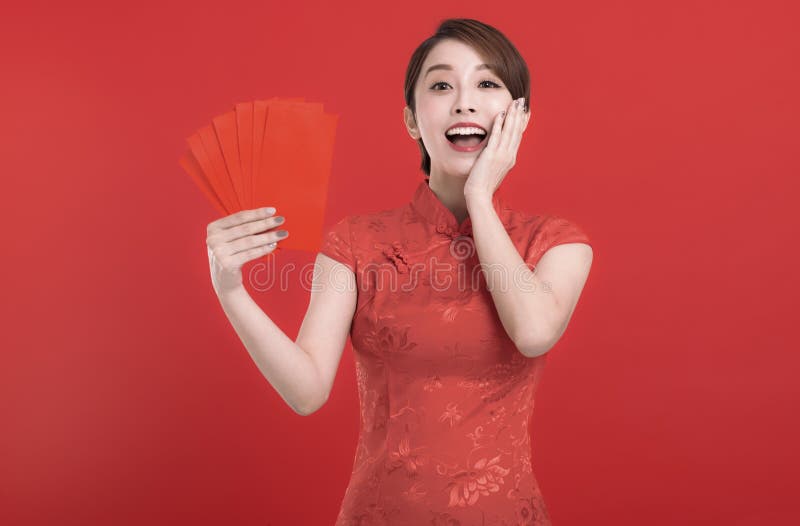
(467, 143)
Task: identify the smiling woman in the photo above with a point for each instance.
(447, 373)
(447, 355)
(502, 69)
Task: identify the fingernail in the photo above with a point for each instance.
(269, 210)
(279, 219)
(282, 233)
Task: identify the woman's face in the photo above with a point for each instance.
(464, 92)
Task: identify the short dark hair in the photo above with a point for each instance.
(488, 42)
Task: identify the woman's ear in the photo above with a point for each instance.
(411, 123)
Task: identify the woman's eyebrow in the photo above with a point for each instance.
(450, 68)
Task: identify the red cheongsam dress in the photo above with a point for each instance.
(445, 396)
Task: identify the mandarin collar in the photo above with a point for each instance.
(427, 205)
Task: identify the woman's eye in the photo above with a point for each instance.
(493, 84)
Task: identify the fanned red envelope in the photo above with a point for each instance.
(276, 152)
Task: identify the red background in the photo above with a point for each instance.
(665, 130)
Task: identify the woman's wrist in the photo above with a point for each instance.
(232, 293)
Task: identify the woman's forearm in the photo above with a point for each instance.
(524, 311)
(287, 367)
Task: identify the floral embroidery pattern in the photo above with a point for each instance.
(415, 492)
(373, 515)
(445, 408)
(459, 302)
(496, 383)
(376, 224)
(476, 436)
(433, 383)
(451, 415)
(531, 511)
(444, 519)
(374, 410)
(390, 339)
(484, 478)
(405, 457)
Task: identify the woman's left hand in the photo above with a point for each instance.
(500, 153)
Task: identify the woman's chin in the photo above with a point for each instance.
(459, 167)
(463, 167)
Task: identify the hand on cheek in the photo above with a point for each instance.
(500, 153)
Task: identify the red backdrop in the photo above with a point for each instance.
(665, 130)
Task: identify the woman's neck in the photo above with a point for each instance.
(450, 191)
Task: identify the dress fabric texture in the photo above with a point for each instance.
(445, 396)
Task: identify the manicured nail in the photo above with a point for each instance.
(279, 219)
(282, 233)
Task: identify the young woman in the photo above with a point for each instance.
(449, 323)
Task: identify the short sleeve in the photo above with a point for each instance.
(551, 232)
(336, 243)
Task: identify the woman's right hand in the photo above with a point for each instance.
(238, 238)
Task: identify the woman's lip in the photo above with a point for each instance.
(468, 148)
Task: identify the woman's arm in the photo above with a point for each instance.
(303, 371)
(534, 308)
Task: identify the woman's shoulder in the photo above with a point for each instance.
(519, 222)
(528, 227)
(523, 217)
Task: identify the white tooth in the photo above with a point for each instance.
(465, 131)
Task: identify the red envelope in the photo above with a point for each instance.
(244, 130)
(276, 152)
